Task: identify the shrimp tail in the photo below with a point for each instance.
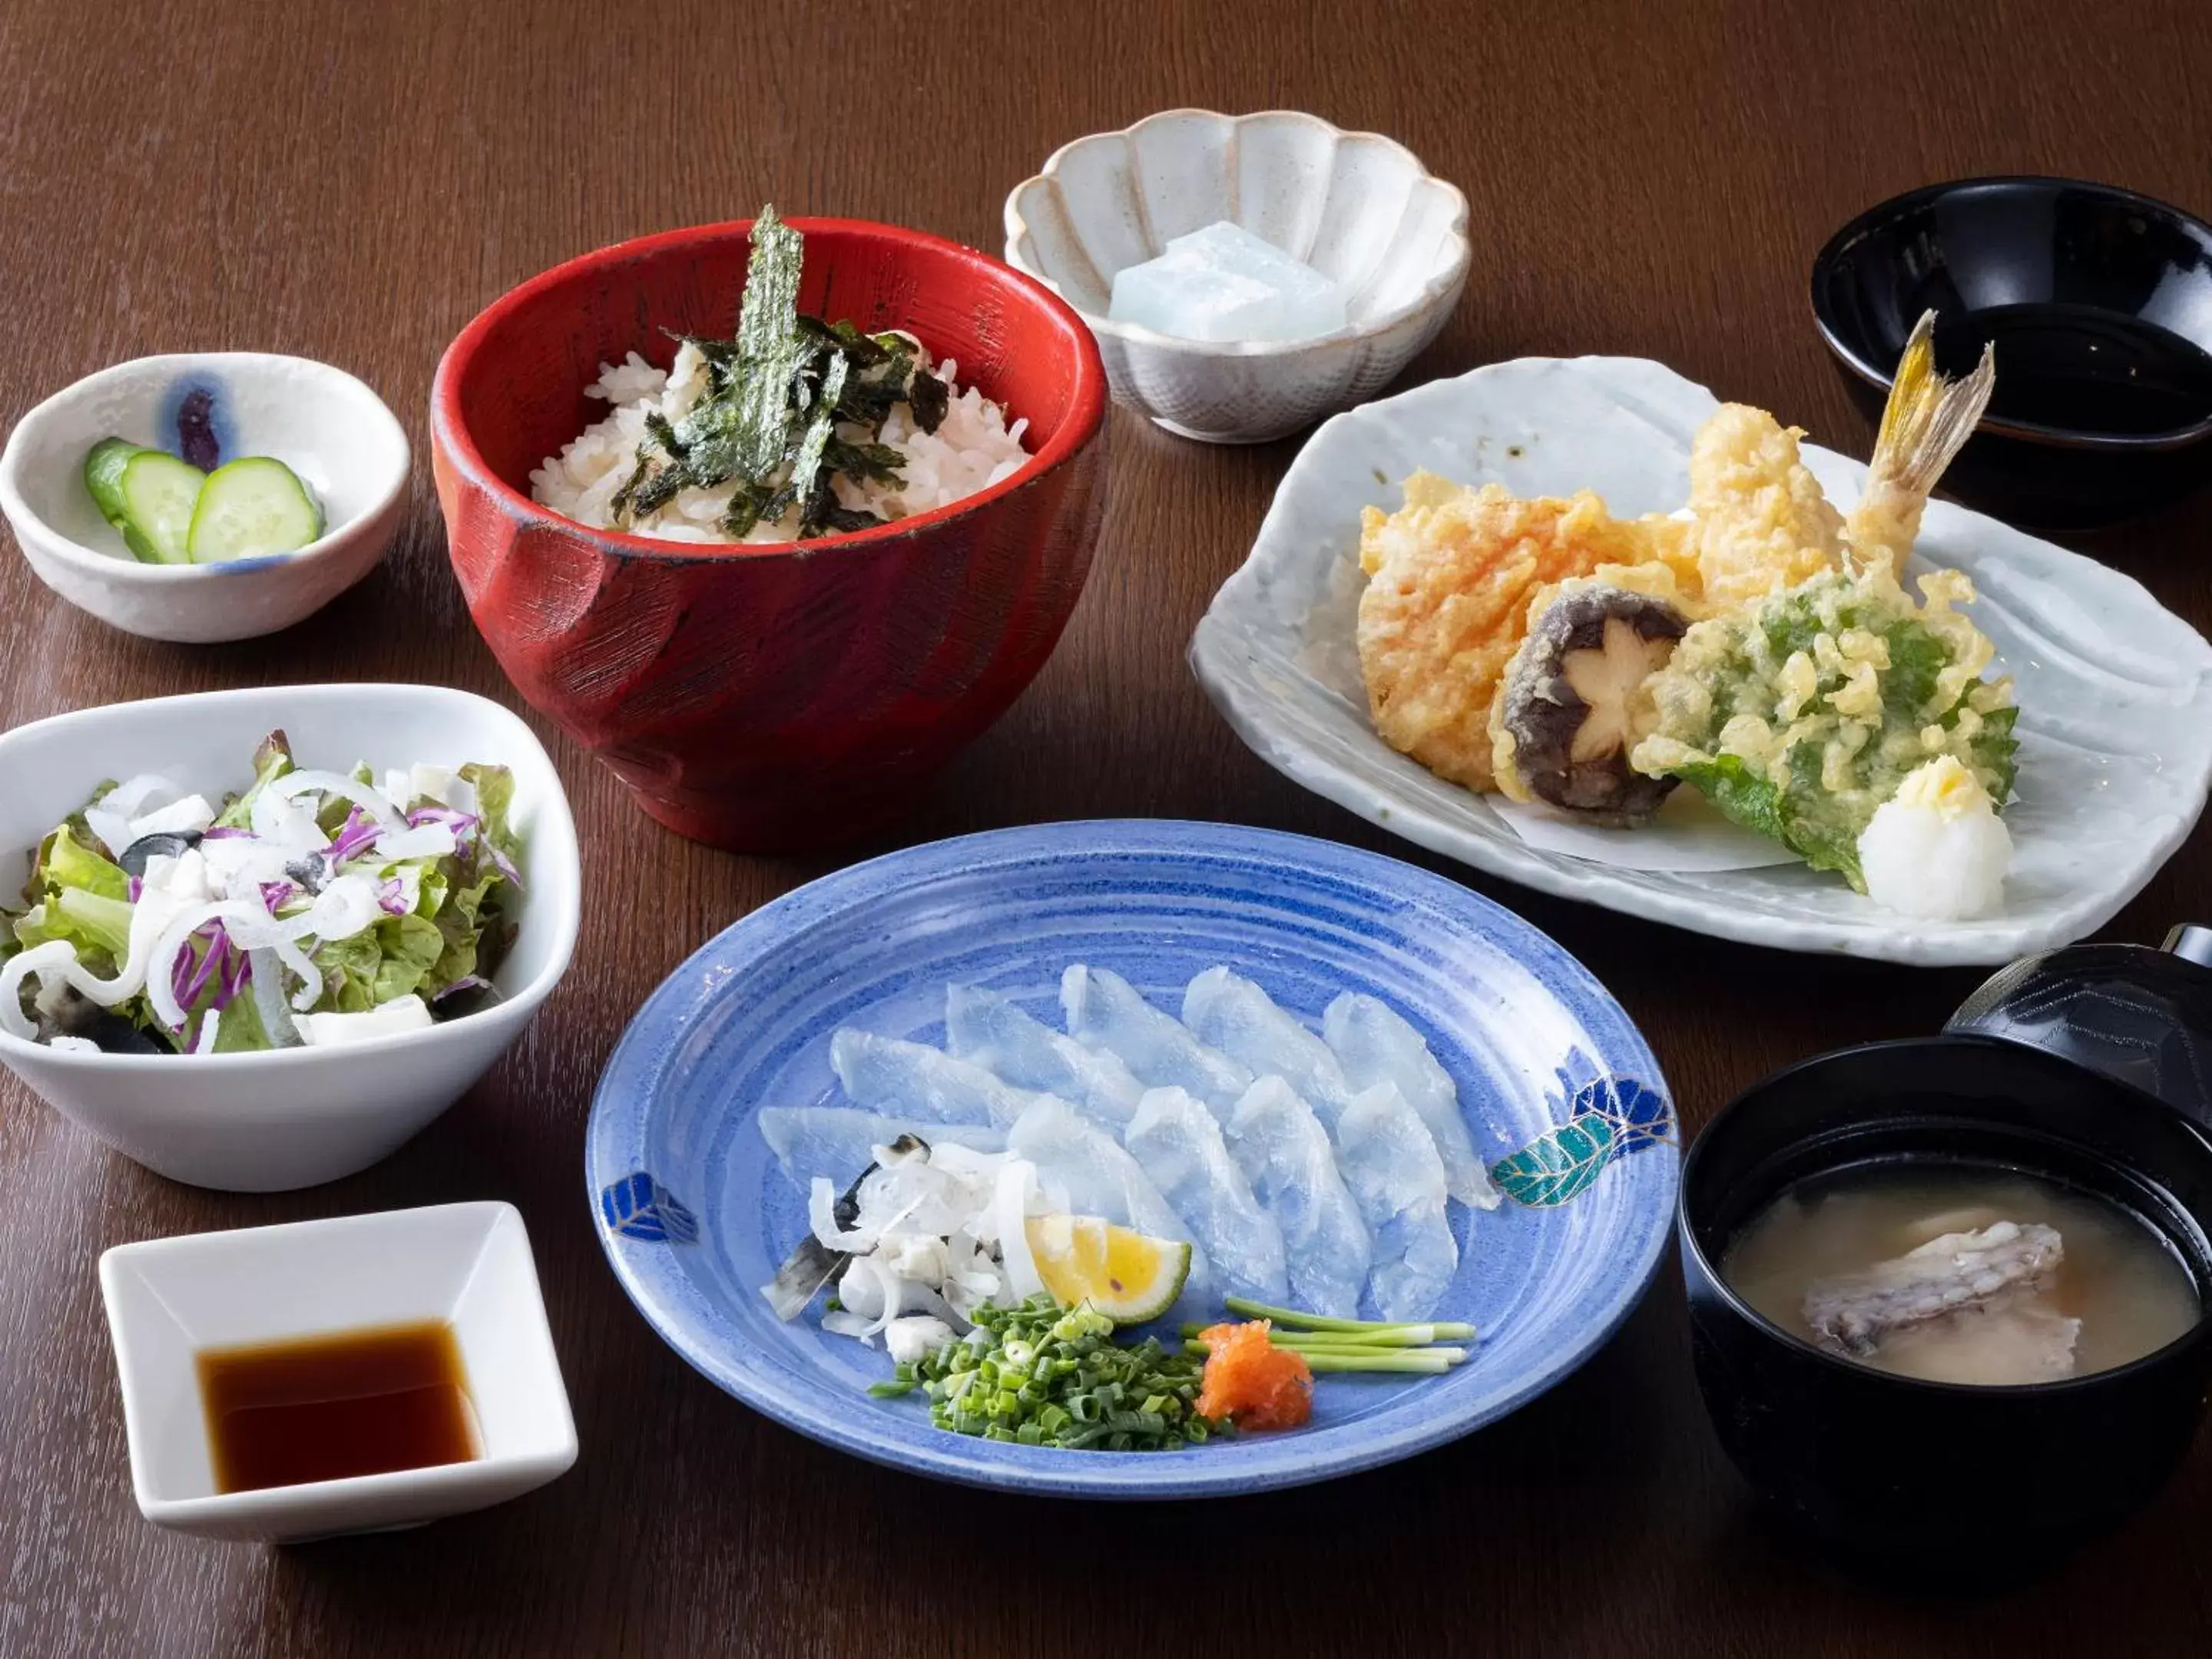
(1926, 423)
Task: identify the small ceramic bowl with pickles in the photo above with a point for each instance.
(248, 491)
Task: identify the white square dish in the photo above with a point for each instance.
(2115, 691)
(291, 1117)
(469, 1265)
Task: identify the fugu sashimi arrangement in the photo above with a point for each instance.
(312, 908)
(1025, 1186)
(1757, 645)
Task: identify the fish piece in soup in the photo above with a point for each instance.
(1852, 1313)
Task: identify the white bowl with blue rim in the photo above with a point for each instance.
(695, 1214)
(328, 427)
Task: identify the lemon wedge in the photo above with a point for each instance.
(1125, 1275)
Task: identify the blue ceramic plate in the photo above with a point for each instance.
(695, 1214)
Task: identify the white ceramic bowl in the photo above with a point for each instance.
(322, 422)
(467, 1264)
(1355, 206)
(291, 1117)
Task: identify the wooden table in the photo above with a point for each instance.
(355, 182)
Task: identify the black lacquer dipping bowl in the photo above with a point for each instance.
(2099, 301)
(1944, 1483)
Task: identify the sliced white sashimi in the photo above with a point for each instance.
(1229, 1013)
(1389, 1163)
(1286, 1154)
(840, 1141)
(913, 1080)
(987, 1029)
(1374, 1044)
(1179, 1144)
(1082, 1170)
(1105, 1011)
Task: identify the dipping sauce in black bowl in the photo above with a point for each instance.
(1948, 1483)
(2099, 302)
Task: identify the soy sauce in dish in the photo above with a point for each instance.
(2081, 369)
(326, 1408)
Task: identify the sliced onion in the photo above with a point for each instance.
(426, 840)
(210, 1025)
(189, 815)
(367, 796)
(134, 795)
(55, 957)
(838, 1323)
(822, 1216)
(287, 824)
(112, 829)
(867, 1288)
(1017, 1181)
(346, 906)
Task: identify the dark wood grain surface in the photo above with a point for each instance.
(354, 182)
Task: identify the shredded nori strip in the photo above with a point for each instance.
(808, 461)
(928, 397)
(776, 395)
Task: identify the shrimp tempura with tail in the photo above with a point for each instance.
(1926, 423)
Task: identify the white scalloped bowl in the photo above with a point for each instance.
(1358, 207)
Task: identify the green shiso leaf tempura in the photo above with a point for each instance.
(1803, 715)
(314, 908)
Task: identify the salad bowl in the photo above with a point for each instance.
(263, 1121)
(331, 430)
(695, 1213)
(770, 695)
(1357, 207)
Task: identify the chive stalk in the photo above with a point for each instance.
(1404, 1336)
(1450, 1330)
(1419, 1362)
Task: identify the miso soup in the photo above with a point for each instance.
(1958, 1273)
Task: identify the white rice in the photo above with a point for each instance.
(972, 448)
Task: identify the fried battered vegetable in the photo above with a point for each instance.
(1574, 702)
(1453, 574)
(1798, 717)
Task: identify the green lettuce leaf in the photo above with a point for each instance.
(391, 959)
(273, 759)
(83, 896)
(495, 787)
(241, 1031)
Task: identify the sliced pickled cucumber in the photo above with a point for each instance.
(250, 508)
(146, 495)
